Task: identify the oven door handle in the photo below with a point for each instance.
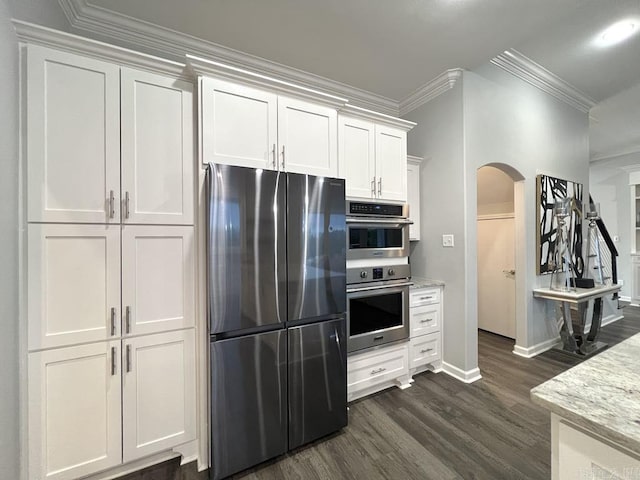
(380, 221)
(379, 287)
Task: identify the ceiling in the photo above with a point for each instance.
(393, 47)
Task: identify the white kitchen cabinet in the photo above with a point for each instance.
(158, 275)
(73, 138)
(159, 393)
(157, 148)
(307, 137)
(413, 195)
(74, 410)
(425, 320)
(251, 127)
(371, 371)
(239, 124)
(92, 125)
(373, 155)
(73, 284)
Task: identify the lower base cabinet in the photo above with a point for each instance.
(95, 406)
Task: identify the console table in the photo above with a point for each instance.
(574, 339)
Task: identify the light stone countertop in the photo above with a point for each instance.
(602, 394)
(419, 282)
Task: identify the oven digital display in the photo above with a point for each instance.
(377, 274)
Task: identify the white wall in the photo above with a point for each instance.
(9, 450)
(488, 117)
(609, 185)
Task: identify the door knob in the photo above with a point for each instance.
(509, 272)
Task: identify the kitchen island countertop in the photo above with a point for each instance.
(602, 394)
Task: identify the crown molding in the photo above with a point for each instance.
(39, 35)
(526, 69)
(430, 90)
(84, 16)
(363, 113)
(203, 67)
(412, 159)
(631, 150)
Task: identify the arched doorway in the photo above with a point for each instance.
(500, 251)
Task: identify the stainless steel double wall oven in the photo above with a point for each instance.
(378, 274)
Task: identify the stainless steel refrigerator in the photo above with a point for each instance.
(276, 293)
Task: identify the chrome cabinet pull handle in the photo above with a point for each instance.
(426, 350)
(273, 152)
(112, 204)
(128, 358)
(373, 187)
(380, 187)
(282, 157)
(427, 320)
(113, 360)
(378, 370)
(113, 321)
(426, 298)
(127, 318)
(126, 204)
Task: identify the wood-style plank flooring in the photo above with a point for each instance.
(441, 428)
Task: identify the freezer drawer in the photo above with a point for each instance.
(317, 381)
(248, 401)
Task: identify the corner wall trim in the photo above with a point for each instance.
(526, 69)
(430, 90)
(530, 352)
(466, 376)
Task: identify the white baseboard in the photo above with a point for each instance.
(530, 352)
(609, 319)
(624, 298)
(466, 376)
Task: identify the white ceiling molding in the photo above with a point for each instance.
(204, 67)
(36, 34)
(430, 90)
(526, 69)
(84, 16)
(631, 150)
(370, 115)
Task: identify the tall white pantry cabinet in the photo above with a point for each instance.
(110, 263)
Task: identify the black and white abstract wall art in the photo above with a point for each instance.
(549, 191)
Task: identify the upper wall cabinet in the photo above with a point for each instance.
(78, 109)
(373, 155)
(413, 195)
(251, 127)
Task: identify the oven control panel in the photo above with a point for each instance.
(377, 274)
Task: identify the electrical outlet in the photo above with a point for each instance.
(447, 240)
(620, 281)
(616, 238)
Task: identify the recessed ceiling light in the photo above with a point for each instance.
(617, 32)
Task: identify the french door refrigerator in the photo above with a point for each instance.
(277, 300)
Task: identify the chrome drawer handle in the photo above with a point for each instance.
(426, 298)
(427, 320)
(378, 370)
(426, 350)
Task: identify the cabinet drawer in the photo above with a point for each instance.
(424, 319)
(424, 350)
(426, 296)
(376, 367)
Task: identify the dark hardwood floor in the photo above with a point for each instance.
(441, 428)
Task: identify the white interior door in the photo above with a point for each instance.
(73, 284)
(356, 159)
(74, 411)
(158, 392)
(239, 124)
(496, 283)
(157, 149)
(391, 163)
(158, 276)
(73, 138)
(307, 135)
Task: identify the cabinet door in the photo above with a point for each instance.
(307, 136)
(413, 198)
(157, 149)
(158, 277)
(158, 392)
(239, 124)
(356, 158)
(73, 138)
(391, 163)
(74, 411)
(73, 284)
